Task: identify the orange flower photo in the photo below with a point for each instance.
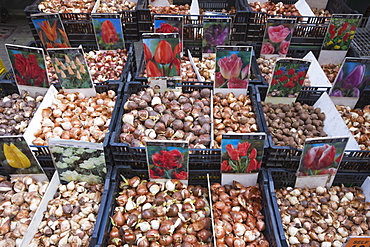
(51, 31)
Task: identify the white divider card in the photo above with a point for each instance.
(168, 160)
(162, 55)
(353, 77)
(194, 8)
(51, 30)
(170, 24)
(320, 161)
(71, 68)
(216, 32)
(232, 66)
(338, 37)
(366, 189)
(160, 84)
(241, 157)
(78, 160)
(29, 68)
(357, 241)
(287, 80)
(195, 68)
(18, 159)
(108, 31)
(276, 40)
(211, 208)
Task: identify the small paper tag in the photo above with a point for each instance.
(357, 241)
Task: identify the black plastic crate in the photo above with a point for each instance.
(8, 87)
(79, 27)
(199, 159)
(361, 42)
(192, 23)
(271, 231)
(128, 70)
(309, 30)
(42, 153)
(289, 158)
(256, 77)
(282, 178)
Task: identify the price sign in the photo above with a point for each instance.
(358, 242)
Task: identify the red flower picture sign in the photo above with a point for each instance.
(242, 153)
(167, 160)
(162, 55)
(288, 78)
(28, 65)
(322, 155)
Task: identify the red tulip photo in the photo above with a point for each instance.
(322, 158)
(241, 156)
(109, 33)
(167, 162)
(162, 57)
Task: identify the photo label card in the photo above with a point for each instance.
(287, 80)
(352, 79)
(169, 24)
(51, 30)
(78, 160)
(29, 67)
(232, 66)
(216, 32)
(71, 68)
(162, 55)
(241, 155)
(108, 31)
(276, 40)
(338, 37)
(167, 160)
(320, 161)
(18, 159)
(366, 189)
(357, 241)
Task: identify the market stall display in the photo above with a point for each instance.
(138, 123)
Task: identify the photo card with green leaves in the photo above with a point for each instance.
(278, 33)
(287, 80)
(72, 70)
(108, 31)
(338, 38)
(241, 155)
(50, 30)
(168, 160)
(78, 160)
(162, 55)
(170, 24)
(29, 68)
(232, 67)
(320, 161)
(216, 32)
(18, 159)
(352, 79)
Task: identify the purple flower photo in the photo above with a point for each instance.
(215, 34)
